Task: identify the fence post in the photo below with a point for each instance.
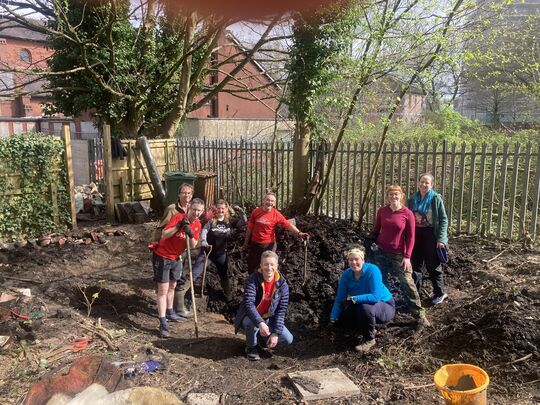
(481, 182)
(491, 191)
(502, 189)
(535, 197)
(461, 186)
(68, 157)
(451, 190)
(472, 169)
(513, 191)
(131, 174)
(525, 192)
(108, 173)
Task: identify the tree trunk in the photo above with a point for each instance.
(178, 112)
(127, 128)
(302, 138)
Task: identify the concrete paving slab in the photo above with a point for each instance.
(323, 384)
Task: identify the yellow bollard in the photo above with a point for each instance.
(462, 384)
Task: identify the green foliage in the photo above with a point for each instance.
(446, 124)
(128, 65)
(507, 59)
(319, 46)
(29, 165)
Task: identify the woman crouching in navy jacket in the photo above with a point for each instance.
(266, 298)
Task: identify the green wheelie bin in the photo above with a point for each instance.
(173, 181)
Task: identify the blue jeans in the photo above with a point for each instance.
(285, 337)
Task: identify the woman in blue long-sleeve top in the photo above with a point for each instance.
(367, 300)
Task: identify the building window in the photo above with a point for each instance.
(213, 108)
(25, 55)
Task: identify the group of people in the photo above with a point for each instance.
(180, 230)
(407, 237)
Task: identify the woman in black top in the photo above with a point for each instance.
(216, 233)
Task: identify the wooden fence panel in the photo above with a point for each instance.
(486, 190)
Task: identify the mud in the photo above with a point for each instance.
(491, 320)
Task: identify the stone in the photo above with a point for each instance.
(89, 395)
(139, 396)
(202, 399)
(323, 384)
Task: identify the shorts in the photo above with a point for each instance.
(166, 270)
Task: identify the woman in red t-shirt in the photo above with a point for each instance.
(260, 235)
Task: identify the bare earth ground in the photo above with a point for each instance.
(492, 319)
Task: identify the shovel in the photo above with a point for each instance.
(194, 305)
(206, 254)
(306, 241)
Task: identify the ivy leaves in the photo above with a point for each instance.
(32, 185)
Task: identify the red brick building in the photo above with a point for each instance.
(260, 103)
(23, 49)
(20, 49)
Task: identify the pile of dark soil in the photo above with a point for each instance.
(311, 296)
(313, 282)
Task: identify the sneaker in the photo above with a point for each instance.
(173, 316)
(164, 331)
(252, 353)
(439, 300)
(366, 346)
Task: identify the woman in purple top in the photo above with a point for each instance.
(394, 233)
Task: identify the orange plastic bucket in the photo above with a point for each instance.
(462, 384)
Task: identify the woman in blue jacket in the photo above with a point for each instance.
(367, 300)
(266, 299)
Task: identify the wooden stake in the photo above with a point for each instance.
(68, 157)
(193, 304)
(107, 166)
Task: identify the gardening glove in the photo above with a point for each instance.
(187, 230)
(303, 235)
(205, 245)
(182, 223)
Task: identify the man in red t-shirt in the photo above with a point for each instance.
(166, 260)
(260, 235)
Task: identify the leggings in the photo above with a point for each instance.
(220, 260)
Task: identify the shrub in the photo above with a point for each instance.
(33, 182)
(446, 124)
